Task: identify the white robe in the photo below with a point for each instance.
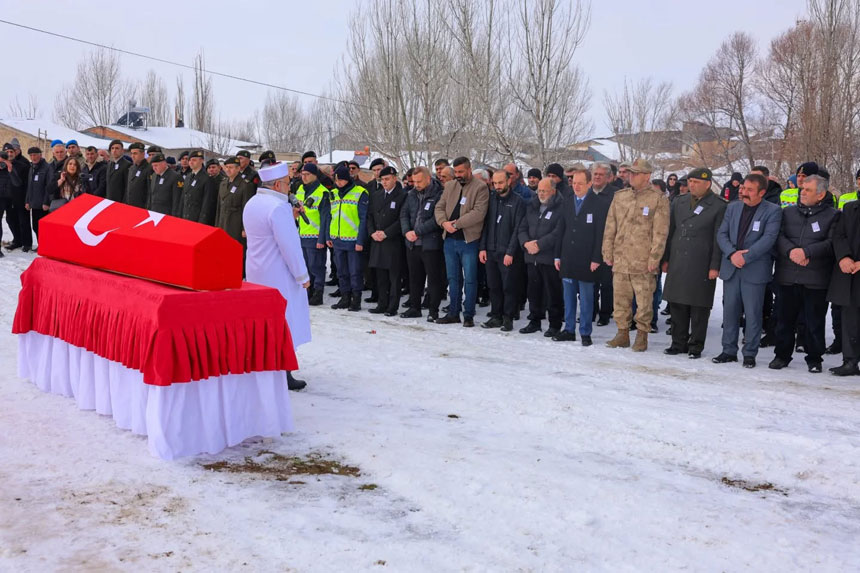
(275, 257)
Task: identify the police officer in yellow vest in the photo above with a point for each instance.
(846, 198)
(346, 233)
(314, 198)
(789, 196)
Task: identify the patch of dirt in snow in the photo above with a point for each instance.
(752, 486)
(115, 504)
(281, 468)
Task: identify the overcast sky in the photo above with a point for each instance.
(299, 44)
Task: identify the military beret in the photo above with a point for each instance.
(196, 153)
(212, 162)
(171, 160)
(136, 145)
(232, 160)
(311, 168)
(342, 173)
(377, 161)
(642, 166)
(534, 172)
(808, 168)
(682, 181)
(701, 173)
(388, 170)
(57, 142)
(72, 142)
(555, 169)
(268, 156)
(308, 154)
(156, 157)
(116, 142)
(33, 150)
(244, 153)
(154, 149)
(183, 154)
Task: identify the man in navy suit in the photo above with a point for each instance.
(746, 238)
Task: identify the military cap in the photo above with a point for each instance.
(156, 157)
(232, 160)
(268, 156)
(377, 161)
(311, 168)
(388, 170)
(72, 142)
(822, 172)
(642, 166)
(57, 142)
(212, 162)
(154, 149)
(136, 145)
(33, 150)
(702, 173)
(808, 168)
(183, 154)
(196, 153)
(244, 153)
(170, 160)
(116, 142)
(308, 154)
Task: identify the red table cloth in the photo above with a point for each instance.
(169, 334)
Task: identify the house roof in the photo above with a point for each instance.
(33, 127)
(179, 138)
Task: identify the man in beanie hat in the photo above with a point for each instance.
(165, 187)
(692, 261)
(274, 251)
(633, 245)
(246, 168)
(314, 198)
(534, 176)
(346, 233)
(233, 194)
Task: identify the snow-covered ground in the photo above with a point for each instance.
(488, 452)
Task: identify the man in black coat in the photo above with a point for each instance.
(692, 261)
(423, 239)
(578, 255)
(16, 214)
(93, 171)
(500, 251)
(246, 169)
(137, 186)
(165, 187)
(601, 186)
(844, 289)
(383, 226)
(116, 172)
(38, 199)
(804, 264)
(538, 237)
(199, 192)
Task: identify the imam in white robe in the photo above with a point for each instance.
(275, 259)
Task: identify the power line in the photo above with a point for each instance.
(181, 65)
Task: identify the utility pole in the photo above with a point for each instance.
(330, 145)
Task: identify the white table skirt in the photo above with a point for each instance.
(183, 419)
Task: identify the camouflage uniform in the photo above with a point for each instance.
(634, 239)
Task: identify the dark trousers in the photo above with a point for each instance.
(350, 272)
(37, 214)
(689, 326)
(603, 292)
(315, 261)
(811, 304)
(503, 284)
(836, 320)
(18, 220)
(850, 332)
(545, 294)
(429, 266)
(388, 288)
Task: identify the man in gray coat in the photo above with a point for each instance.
(746, 238)
(692, 263)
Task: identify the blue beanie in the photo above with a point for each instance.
(57, 142)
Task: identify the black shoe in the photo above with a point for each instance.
(390, 313)
(376, 310)
(654, 329)
(749, 362)
(507, 324)
(316, 298)
(835, 348)
(565, 336)
(551, 332)
(411, 313)
(449, 319)
(778, 363)
(293, 383)
(13, 246)
(433, 317)
(331, 282)
(468, 322)
(586, 340)
(674, 351)
(355, 303)
(342, 303)
(335, 293)
(724, 358)
(694, 355)
(372, 298)
(815, 368)
(602, 322)
(516, 316)
(492, 323)
(532, 326)
(848, 368)
(26, 249)
(407, 304)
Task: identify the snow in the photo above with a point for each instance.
(180, 138)
(561, 458)
(54, 131)
(338, 155)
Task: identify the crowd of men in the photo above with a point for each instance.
(574, 246)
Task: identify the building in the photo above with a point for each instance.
(175, 140)
(39, 133)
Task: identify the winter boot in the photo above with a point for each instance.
(294, 383)
(355, 305)
(316, 298)
(621, 340)
(641, 343)
(342, 303)
(848, 368)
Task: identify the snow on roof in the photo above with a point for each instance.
(33, 127)
(607, 148)
(181, 138)
(338, 155)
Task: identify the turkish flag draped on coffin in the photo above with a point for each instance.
(102, 234)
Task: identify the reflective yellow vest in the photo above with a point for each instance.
(846, 198)
(311, 229)
(344, 214)
(788, 197)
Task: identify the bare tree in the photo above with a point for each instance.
(97, 96)
(203, 103)
(179, 106)
(152, 93)
(28, 109)
(638, 115)
(283, 122)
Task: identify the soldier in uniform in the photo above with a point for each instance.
(153, 149)
(692, 261)
(233, 194)
(184, 165)
(213, 170)
(165, 187)
(116, 174)
(137, 186)
(199, 192)
(314, 198)
(633, 244)
(246, 169)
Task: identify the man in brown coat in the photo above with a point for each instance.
(633, 244)
(460, 212)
